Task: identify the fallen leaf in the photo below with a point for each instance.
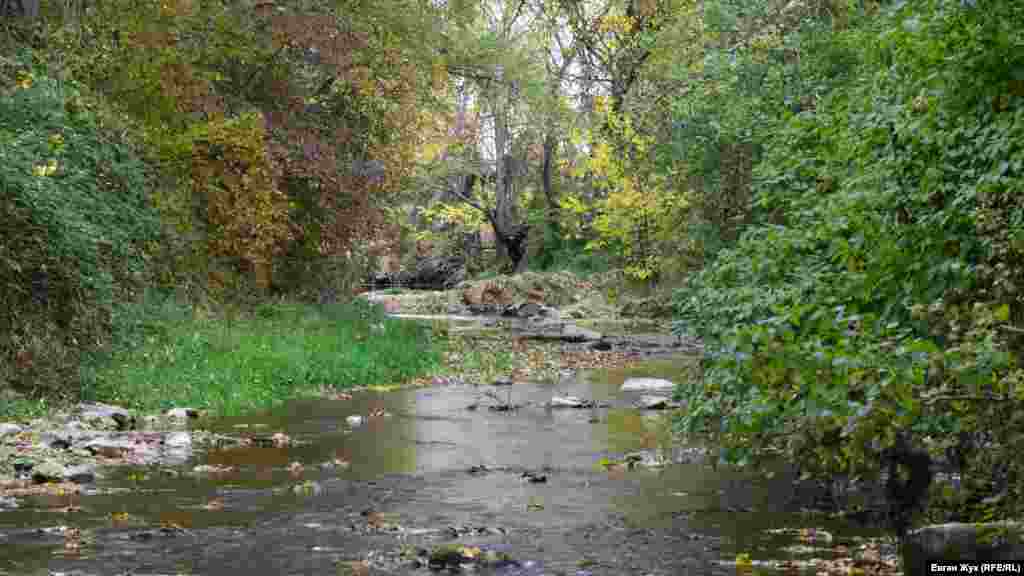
(470, 552)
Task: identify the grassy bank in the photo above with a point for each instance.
(232, 363)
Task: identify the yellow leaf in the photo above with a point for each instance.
(470, 552)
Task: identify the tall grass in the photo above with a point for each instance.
(235, 363)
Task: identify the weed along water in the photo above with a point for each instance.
(490, 479)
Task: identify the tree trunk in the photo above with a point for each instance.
(552, 214)
(513, 242)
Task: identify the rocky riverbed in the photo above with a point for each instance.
(557, 461)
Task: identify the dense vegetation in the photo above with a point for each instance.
(830, 186)
(874, 287)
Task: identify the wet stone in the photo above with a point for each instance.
(57, 441)
(655, 403)
(570, 402)
(648, 385)
(178, 441)
(110, 447)
(107, 414)
(182, 413)
(573, 333)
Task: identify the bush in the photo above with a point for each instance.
(883, 295)
(76, 225)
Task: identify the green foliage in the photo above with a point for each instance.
(641, 212)
(278, 351)
(76, 223)
(876, 287)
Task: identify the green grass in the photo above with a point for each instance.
(16, 408)
(231, 365)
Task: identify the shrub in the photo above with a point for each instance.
(76, 224)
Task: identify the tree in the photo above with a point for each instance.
(495, 66)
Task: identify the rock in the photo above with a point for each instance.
(503, 382)
(950, 543)
(573, 333)
(644, 459)
(116, 448)
(656, 403)
(182, 413)
(178, 441)
(648, 385)
(560, 332)
(473, 295)
(569, 402)
(81, 474)
(121, 418)
(524, 310)
(48, 471)
(58, 440)
(9, 428)
(355, 420)
(535, 478)
(485, 295)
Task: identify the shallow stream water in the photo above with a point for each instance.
(432, 471)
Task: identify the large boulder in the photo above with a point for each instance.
(950, 543)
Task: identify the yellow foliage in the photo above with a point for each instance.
(43, 170)
(618, 23)
(640, 217)
(246, 216)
